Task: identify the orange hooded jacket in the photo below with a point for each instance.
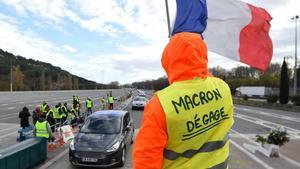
(184, 58)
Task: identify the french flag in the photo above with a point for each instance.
(231, 28)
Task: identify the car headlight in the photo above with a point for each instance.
(114, 147)
(72, 147)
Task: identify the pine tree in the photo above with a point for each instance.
(284, 84)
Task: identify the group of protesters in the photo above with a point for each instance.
(46, 120)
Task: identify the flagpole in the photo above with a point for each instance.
(168, 18)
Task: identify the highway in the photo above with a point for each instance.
(249, 121)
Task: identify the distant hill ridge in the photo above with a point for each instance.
(29, 74)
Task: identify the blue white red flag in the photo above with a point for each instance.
(231, 28)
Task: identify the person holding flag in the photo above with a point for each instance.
(186, 125)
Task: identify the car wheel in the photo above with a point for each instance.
(122, 158)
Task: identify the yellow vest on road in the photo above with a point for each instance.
(41, 129)
(110, 100)
(199, 115)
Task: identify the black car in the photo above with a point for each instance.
(103, 139)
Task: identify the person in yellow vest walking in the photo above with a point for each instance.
(50, 118)
(89, 106)
(111, 102)
(103, 104)
(186, 125)
(43, 129)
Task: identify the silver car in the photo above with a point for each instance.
(139, 102)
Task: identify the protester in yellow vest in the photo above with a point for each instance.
(103, 104)
(185, 126)
(43, 129)
(89, 106)
(111, 102)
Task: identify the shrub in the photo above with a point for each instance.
(276, 136)
(272, 98)
(296, 100)
(246, 97)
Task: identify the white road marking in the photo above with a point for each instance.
(15, 127)
(10, 114)
(264, 123)
(5, 104)
(259, 161)
(3, 136)
(294, 119)
(9, 117)
(11, 108)
(255, 143)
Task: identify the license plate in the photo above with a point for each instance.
(93, 160)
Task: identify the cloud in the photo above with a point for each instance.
(28, 44)
(145, 20)
(69, 48)
(51, 10)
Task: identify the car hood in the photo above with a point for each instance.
(96, 142)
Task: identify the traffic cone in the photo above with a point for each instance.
(51, 147)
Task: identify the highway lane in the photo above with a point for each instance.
(243, 132)
(9, 121)
(12, 103)
(249, 121)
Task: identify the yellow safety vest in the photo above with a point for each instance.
(89, 103)
(56, 114)
(41, 129)
(199, 115)
(110, 100)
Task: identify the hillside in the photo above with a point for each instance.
(30, 74)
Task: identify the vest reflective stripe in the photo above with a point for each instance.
(41, 129)
(74, 111)
(110, 100)
(50, 112)
(223, 165)
(199, 115)
(207, 147)
(43, 107)
(89, 104)
(64, 111)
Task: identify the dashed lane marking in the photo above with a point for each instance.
(15, 127)
(294, 119)
(3, 136)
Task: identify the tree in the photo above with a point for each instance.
(284, 84)
(18, 78)
(75, 84)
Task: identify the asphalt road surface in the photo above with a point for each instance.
(249, 121)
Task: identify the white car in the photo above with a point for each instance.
(139, 102)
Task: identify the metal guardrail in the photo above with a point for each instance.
(24, 155)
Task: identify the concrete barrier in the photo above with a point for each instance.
(24, 155)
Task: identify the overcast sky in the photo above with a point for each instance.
(113, 40)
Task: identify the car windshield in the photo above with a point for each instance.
(139, 99)
(104, 124)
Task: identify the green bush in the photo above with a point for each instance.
(245, 97)
(272, 99)
(296, 100)
(277, 136)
